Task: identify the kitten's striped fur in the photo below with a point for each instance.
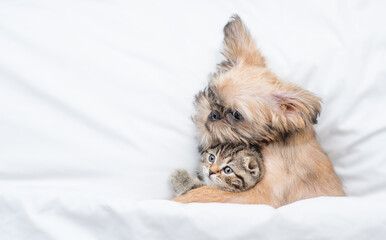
(245, 163)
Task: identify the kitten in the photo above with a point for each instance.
(228, 167)
(245, 102)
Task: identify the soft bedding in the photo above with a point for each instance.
(95, 106)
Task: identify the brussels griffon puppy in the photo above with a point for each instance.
(245, 102)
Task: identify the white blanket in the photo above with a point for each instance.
(95, 106)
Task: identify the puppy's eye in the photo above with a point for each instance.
(211, 158)
(236, 115)
(228, 170)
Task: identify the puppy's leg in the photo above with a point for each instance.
(208, 194)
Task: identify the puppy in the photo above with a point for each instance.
(245, 102)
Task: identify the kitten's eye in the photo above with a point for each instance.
(236, 115)
(228, 170)
(211, 158)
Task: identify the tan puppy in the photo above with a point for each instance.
(245, 102)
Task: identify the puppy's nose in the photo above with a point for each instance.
(210, 172)
(214, 116)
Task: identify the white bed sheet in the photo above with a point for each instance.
(60, 215)
(95, 106)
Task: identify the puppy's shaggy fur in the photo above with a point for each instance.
(245, 102)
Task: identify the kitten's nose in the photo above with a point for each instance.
(214, 116)
(210, 172)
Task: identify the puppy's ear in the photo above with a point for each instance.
(239, 46)
(295, 109)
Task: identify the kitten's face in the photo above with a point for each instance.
(231, 168)
(245, 102)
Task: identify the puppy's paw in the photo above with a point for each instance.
(181, 181)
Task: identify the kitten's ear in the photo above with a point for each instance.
(252, 165)
(295, 109)
(239, 46)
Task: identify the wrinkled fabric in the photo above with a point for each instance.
(96, 99)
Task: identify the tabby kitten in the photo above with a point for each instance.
(227, 166)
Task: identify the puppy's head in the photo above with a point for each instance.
(245, 102)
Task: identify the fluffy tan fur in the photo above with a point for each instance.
(276, 115)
